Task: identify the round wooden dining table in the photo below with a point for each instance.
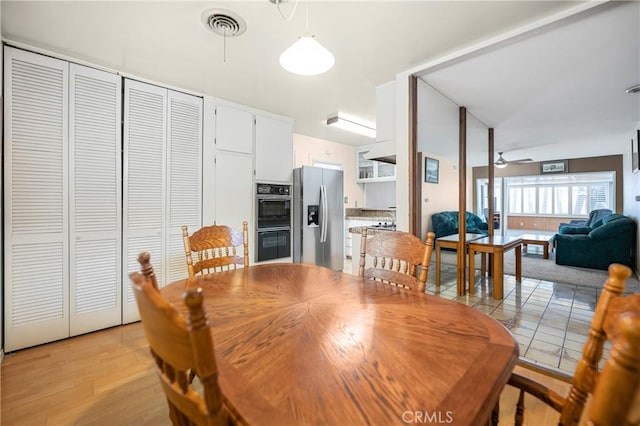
(321, 347)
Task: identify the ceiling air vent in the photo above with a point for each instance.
(224, 22)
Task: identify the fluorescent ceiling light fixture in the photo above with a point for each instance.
(307, 57)
(352, 126)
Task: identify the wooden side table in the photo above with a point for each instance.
(497, 246)
(451, 242)
(537, 239)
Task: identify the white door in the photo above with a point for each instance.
(234, 130)
(185, 177)
(144, 201)
(36, 217)
(95, 166)
(234, 192)
(274, 150)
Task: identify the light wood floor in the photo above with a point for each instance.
(107, 378)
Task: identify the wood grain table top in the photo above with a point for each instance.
(324, 347)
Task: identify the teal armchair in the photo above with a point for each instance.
(610, 240)
(446, 223)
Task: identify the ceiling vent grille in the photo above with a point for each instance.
(224, 22)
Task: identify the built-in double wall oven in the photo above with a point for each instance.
(273, 217)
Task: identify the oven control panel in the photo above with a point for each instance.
(271, 189)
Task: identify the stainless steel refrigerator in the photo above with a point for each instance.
(318, 217)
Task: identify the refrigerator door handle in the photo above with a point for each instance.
(325, 212)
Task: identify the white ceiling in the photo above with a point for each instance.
(372, 41)
(559, 93)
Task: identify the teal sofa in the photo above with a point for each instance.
(446, 223)
(609, 240)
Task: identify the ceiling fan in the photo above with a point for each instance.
(501, 162)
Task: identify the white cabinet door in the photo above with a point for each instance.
(184, 186)
(234, 130)
(145, 123)
(235, 192)
(274, 150)
(36, 248)
(95, 199)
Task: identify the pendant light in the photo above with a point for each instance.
(306, 56)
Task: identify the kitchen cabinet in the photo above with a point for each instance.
(373, 171)
(348, 236)
(234, 129)
(234, 192)
(274, 150)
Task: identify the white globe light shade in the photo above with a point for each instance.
(307, 57)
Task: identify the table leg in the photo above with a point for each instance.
(524, 248)
(545, 253)
(518, 263)
(483, 264)
(490, 264)
(472, 271)
(498, 274)
(437, 265)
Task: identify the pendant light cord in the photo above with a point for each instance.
(306, 26)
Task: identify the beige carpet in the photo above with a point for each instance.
(534, 266)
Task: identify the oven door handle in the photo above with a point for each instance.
(325, 212)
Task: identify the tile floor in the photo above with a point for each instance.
(549, 320)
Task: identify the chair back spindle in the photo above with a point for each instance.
(397, 258)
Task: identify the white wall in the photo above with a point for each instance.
(441, 196)
(306, 150)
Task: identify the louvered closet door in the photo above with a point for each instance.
(36, 199)
(144, 198)
(185, 177)
(95, 200)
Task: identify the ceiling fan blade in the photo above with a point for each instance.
(522, 160)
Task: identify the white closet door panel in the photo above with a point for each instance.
(95, 296)
(95, 188)
(185, 160)
(234, 130)
(177, 263)
(136, 244)
(36, 199)
(144, 219)
(36, 294)
(235, 197)
(184, 140)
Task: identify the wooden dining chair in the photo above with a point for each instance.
(182, 349)
(616, 319)
(396, 256)
(215, 248)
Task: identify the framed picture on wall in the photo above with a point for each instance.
(635, 153)
(431, 169)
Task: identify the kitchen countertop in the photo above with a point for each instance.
(372, 218)
(370, 231)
